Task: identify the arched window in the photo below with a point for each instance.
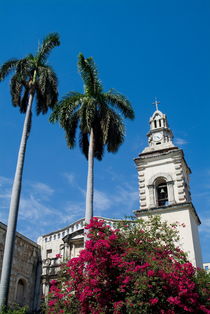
(161, 192)
(20, 294)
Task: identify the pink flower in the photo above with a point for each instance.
(150, 273)
(138, 267)
(153, 301)
(126, 280)
(53, 282)
(118, 304)
(174, 300)
(52, 302)
(58, 256)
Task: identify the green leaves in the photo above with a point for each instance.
(33, 76)
(50, 41)
(119, 102)
(88, 71)
(96, 110)
(46, 89)
(7, 67)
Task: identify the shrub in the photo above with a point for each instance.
(135, 268)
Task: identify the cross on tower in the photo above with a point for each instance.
(156, 103)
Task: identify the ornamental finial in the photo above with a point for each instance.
(156, 103)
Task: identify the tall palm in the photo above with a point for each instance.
(95, 113)
(32, 77)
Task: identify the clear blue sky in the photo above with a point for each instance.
(143, 49)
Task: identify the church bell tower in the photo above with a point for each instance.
(164, 185)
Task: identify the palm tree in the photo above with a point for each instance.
(96, 115)
(32, 78)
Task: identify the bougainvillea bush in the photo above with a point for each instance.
(135, 268)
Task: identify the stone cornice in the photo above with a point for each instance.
(168, 209)
(21, 236)
(163, 153)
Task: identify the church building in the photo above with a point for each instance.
(164, 189)
(164, 185)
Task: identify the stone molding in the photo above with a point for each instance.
(164, 175)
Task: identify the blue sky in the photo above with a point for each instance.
(143, 49)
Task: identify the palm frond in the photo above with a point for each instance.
(94, 110)
(116, 132)
(88, 71)
(24, 101)
(70, 127)
(82, 114)
(8, 67)
(50, 41)
(90, 113)
(66, 107)
(72, 98)
(19, 92)
(25, 67)
(120, 102)
(41, 78)
(33, 76)
(98, 140)
(46, 89)
(84, 143)
(16, 89)
(41, 106)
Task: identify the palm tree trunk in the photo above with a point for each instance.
(13, 212)
(90, 180)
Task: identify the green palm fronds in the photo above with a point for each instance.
(33, 75)
(95, 109)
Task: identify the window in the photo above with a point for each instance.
(54, 236)
(162, 193)
(206, 267)
(49, 253)
(155, 122)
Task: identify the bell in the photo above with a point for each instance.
(162, 191)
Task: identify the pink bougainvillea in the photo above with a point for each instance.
(133, 269)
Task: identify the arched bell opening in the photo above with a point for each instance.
(161, 190)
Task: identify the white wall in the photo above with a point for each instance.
(189, 238)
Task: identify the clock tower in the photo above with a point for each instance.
(164, 185)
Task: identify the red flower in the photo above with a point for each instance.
(150, 273)
(58, 256)
(153, 301)
(53, 282)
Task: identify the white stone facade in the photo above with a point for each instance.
(67, 243)
(164, 185)
(168, 164)
(188, 221)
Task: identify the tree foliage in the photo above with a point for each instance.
(133, 269)
(100, 111)
(33, 75)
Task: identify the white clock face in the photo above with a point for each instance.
(157, 137)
